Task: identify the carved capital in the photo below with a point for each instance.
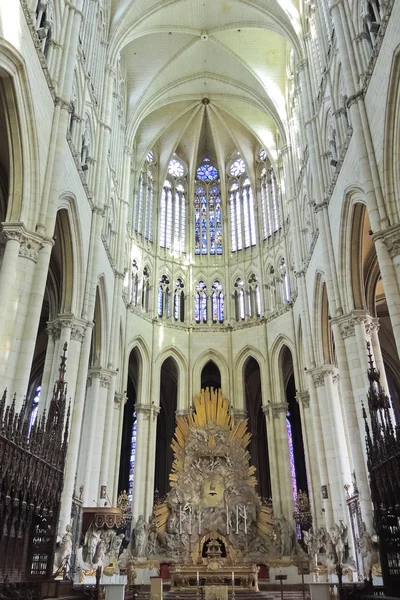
(348, 323)
(30, 247)
(276, 410)
(78, 330)
(391, 238)
(119, 400)
(303, 398)
(318, 377)
(147, 411)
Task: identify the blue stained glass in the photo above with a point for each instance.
(133, 459)
(291, 458)
(207, 173)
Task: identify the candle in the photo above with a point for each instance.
(198, 578)
(227, 519)
(237, 518)
(190, 520)
(233, 578)
(180, 519)
(199, 522)
(245, 518)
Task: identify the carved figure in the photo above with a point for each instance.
(64, 551)
(100, 551)
(140, 537)
(131, 571)
(116, 544)
(123, 560)
(369, 552)
(285, 537)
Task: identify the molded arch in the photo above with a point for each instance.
(222, 365)
(178, 357)
(138, 345)
(239, 370)
(73, 254)
(278, 348)
(349, 237)
(24, 182)
(391, 144)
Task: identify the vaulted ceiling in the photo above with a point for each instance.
(205, 76)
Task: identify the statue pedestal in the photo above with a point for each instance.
(319, 591)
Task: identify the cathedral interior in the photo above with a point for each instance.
(201, 199)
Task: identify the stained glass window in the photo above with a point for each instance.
(207, 172)
(35, 407)
(269, 201)
(175, 168)
(238, 167)
(243, 222)
(179, 300)
(291, 458)
(132, 460)
(173, 215)
(200, 308)
(207, 211)
(217, 303)
(143, 209)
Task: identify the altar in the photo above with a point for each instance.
(191, 576)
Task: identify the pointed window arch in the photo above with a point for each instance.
(164, 297)
(207, 209)
(240, 305)
(217, 300)
(270, 209)
(173, 209)
(179, 300)
(201, 303)
(144, 205)
(241, 201)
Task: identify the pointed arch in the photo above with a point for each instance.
(222, 365)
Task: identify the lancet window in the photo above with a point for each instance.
(241, 202)
(144, 206)
(145, 289)
(254, 297)
(132, 460)
(134, 284)
(201, 303)
(164, 297)
(271, 214)
(173, 209)
(291, 459)
(217, 301)
(285, 283)
(207, 208)
(239, 299)
(179, 300)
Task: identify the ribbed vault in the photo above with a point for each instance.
(236, 54)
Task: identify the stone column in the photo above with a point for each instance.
(324, 445)
(272, 453)
(311, 455)
(140, 481)
(47, 369)
(113, 467)
(326, 378)
(155, 410)
(279, 412)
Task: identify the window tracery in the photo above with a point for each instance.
(201, 303)
(254, 297)
(173, 209)
(217, 301)
(145, 289)
(134, 295)
(144, 206)
(164, 297)
(285, 284)
(270, 209)
(239, 299)
(207, 208)
(241, 201)
(179, 300)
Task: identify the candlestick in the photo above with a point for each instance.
(180, 519)
(237, 518)
(199, 522)
(190, 519)
(227, 519)
(245, 518)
